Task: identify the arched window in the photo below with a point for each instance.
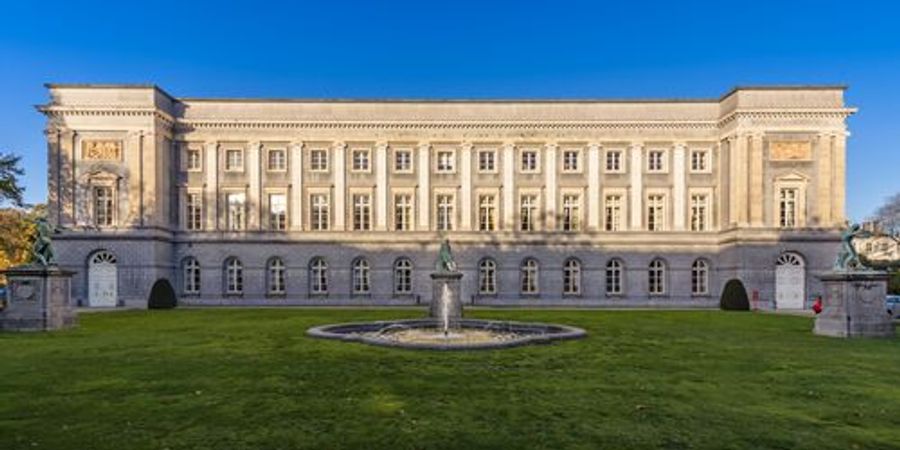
(572, 277)
(656, 277)
(529, 276)
(318, 276)
(276, 276)
(403, 276)
(487, 277)
(614, 283)
(700, 277)
(360, 276)
(191, 279)
(234, 276)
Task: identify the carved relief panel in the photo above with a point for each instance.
(101, 150)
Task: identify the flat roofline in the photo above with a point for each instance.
(784, 87)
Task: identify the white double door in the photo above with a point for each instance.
(102, 281)
(790, 282)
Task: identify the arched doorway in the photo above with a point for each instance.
(790, 281)
(162, 295)
(102, 280)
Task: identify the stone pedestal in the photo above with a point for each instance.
(854, 305)
(454, 308)
(38, 299)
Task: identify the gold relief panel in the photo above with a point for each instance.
(106, 150)
(790, 150)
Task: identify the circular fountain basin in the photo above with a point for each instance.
(428, 334)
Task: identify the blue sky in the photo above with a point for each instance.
(564, 49)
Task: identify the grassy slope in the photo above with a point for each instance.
(252, 379)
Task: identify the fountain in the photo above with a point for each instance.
(445, 328)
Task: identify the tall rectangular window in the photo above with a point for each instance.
(360, 160)
(318, 160)
(235, 204)
(655, 212)
(402, 161)
(528, 161)
(613, 160)
(527, 212)
(194, 161)
(445, 161)
(362, 212)
(571, 212)
(277, 212)
(487, 161)
(699, 212)
(193, 211)
(277, 159)
(403, 212)
(445, 212)
(613, 212)
(234, 160)
(487, 213)
(318, 217)
(655, 161)
(103, 206)
(570, 161)
(787, 207)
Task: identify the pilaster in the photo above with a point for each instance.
(296, 192)
(211, 185)
(254, 205)
(824, 143)
(678, 189)
(593, 187)
(756, 180)
(838, 176)
(339, 171)
(465, 187)
(636, 171)
(381, 187)
(509, 189)
(424, 193)
(550, 184)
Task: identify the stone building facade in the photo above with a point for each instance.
(546, 202)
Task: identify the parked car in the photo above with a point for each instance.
(892, 303)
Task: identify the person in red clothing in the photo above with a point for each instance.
(817, 305)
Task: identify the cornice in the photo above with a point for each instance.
(782, 114)
(189, 125)
(110, 111)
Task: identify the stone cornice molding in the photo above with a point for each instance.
(786, 114)
(190, 125)
(112, 111)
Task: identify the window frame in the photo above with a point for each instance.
(228, 166)
(579, 160)
(521, 161)
(494, 160)
(367, 159)
(620, 160)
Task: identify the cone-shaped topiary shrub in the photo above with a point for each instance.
(734, 297)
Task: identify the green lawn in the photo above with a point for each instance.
(250, 378)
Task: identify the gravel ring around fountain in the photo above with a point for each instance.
(531, 333)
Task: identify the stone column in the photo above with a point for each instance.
(756, 180)
(424, 193)
(381, 187)
(593, 187)
(211, 186)
(679, 187)
(296, 193)
(254, 205)
(550, 185)
(339, 171)
(54, 157)
(823, 152)
(509, 188)
(465, 192)
(636, 170)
